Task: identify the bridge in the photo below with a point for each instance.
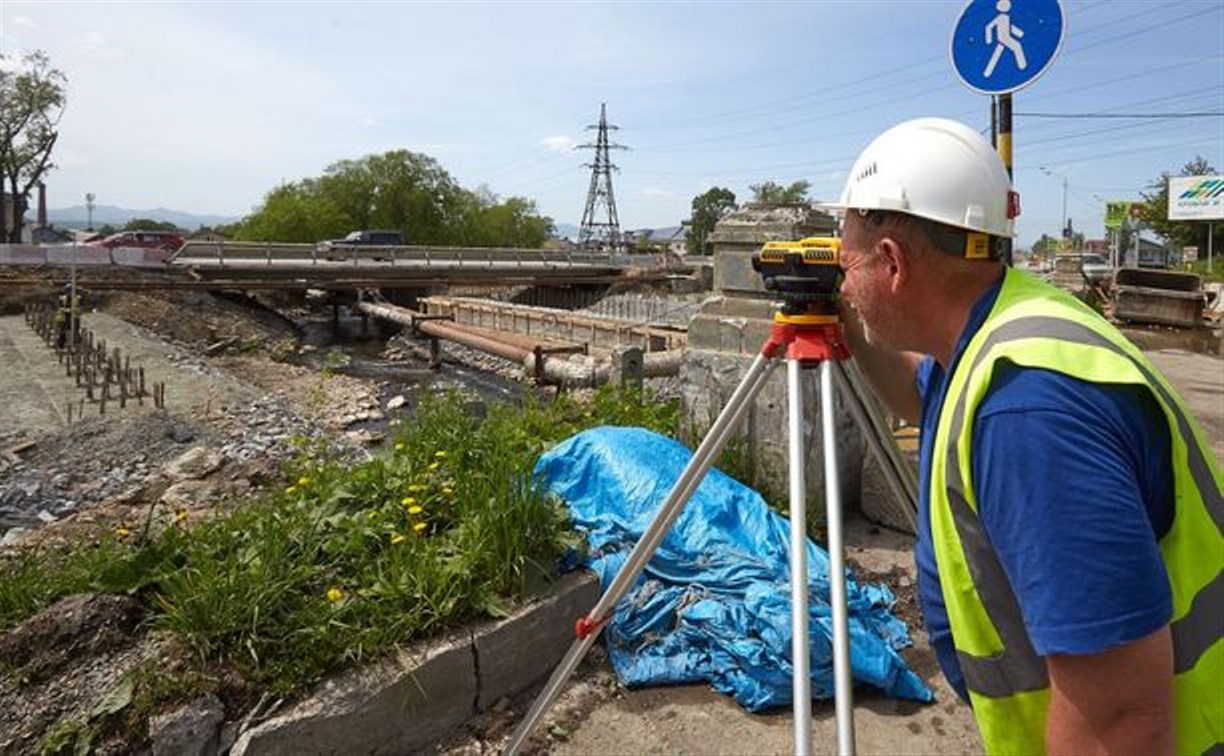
(206, 264)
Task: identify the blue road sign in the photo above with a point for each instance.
(999, 46)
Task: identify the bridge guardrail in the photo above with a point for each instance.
(224, 252)
(88, 255)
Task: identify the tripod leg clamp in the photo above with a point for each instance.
(806, 343)
(585, 626)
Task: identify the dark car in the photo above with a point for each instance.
(366, 239)
(167, 240)
(357, 240)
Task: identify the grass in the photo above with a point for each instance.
(1216, 273)
(345, 561)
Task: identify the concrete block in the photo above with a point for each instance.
(707, 379)
(394, 706)
(878, 502)
(733, 273)
(514, 653)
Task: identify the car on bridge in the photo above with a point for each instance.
(358, 240)
(167, 240)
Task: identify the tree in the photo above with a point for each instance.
(31, 103)
(401, 190)
(148, 224)
(708, 209)
(1046, 245)
(1154, 212)
(770, 193)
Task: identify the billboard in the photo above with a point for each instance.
(1116, 212)
(1196, 198)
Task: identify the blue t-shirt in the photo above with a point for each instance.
(1074, 487)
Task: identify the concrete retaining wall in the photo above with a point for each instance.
(405, 704)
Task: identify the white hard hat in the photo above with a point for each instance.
(938, 169)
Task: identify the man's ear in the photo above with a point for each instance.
(897, 259)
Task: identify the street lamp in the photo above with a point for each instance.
(1063, 228)
(89, 206)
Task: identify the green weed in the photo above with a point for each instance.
(346, 560)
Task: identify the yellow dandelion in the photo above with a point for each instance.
(334, 594)
(303, 481)
(407, 501)
(122, 532)
(399, 446)
(434, 465)
(398, 538)
(180, 515)
(415, 509)
(291, 490)
(448, 491)
(420, 526)
(440, 454)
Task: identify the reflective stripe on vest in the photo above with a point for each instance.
(1011, 670)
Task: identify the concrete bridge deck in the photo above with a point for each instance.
(258, 264)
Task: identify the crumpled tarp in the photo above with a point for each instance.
(714, 602)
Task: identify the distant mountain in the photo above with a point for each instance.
(78, 217)
(566, 231)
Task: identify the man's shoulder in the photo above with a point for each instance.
(1015, 388)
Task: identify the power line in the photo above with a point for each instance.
(1215, 114)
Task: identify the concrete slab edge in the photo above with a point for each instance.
(409, 700)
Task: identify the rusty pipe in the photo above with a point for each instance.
(444, 330)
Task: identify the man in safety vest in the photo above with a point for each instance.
(1069, 550)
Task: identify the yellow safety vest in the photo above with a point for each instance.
(1036, 325)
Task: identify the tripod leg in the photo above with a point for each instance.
(679, 495)
(837, 567)
(801, 680)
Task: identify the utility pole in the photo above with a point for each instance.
(89, 206)
(594, 232)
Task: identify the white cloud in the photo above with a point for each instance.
(369, 122)
(655, 192)
(25, 21)
(68, 158)
(93, 45)
(559, 143)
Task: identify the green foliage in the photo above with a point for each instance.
(400, 190)
(349, 560)
(32, 579)
(148, 224)
(67, 736)
(1178, 234)
(32, 100)
(1216, 273)
(770, 193)
(708, 208)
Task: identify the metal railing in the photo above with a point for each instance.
(269, 253)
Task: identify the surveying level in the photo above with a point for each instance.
(807, 333)
(806, 274)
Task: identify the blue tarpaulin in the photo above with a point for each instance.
(714, 602)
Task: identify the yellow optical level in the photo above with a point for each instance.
(814, 250)
(805, 274)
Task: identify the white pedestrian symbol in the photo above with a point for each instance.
(1008, 36)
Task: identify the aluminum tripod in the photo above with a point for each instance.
(803, 345)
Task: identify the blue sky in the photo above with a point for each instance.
(204, 107)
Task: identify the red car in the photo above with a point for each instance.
(166, 240)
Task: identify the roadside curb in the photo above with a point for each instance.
(407, 702)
